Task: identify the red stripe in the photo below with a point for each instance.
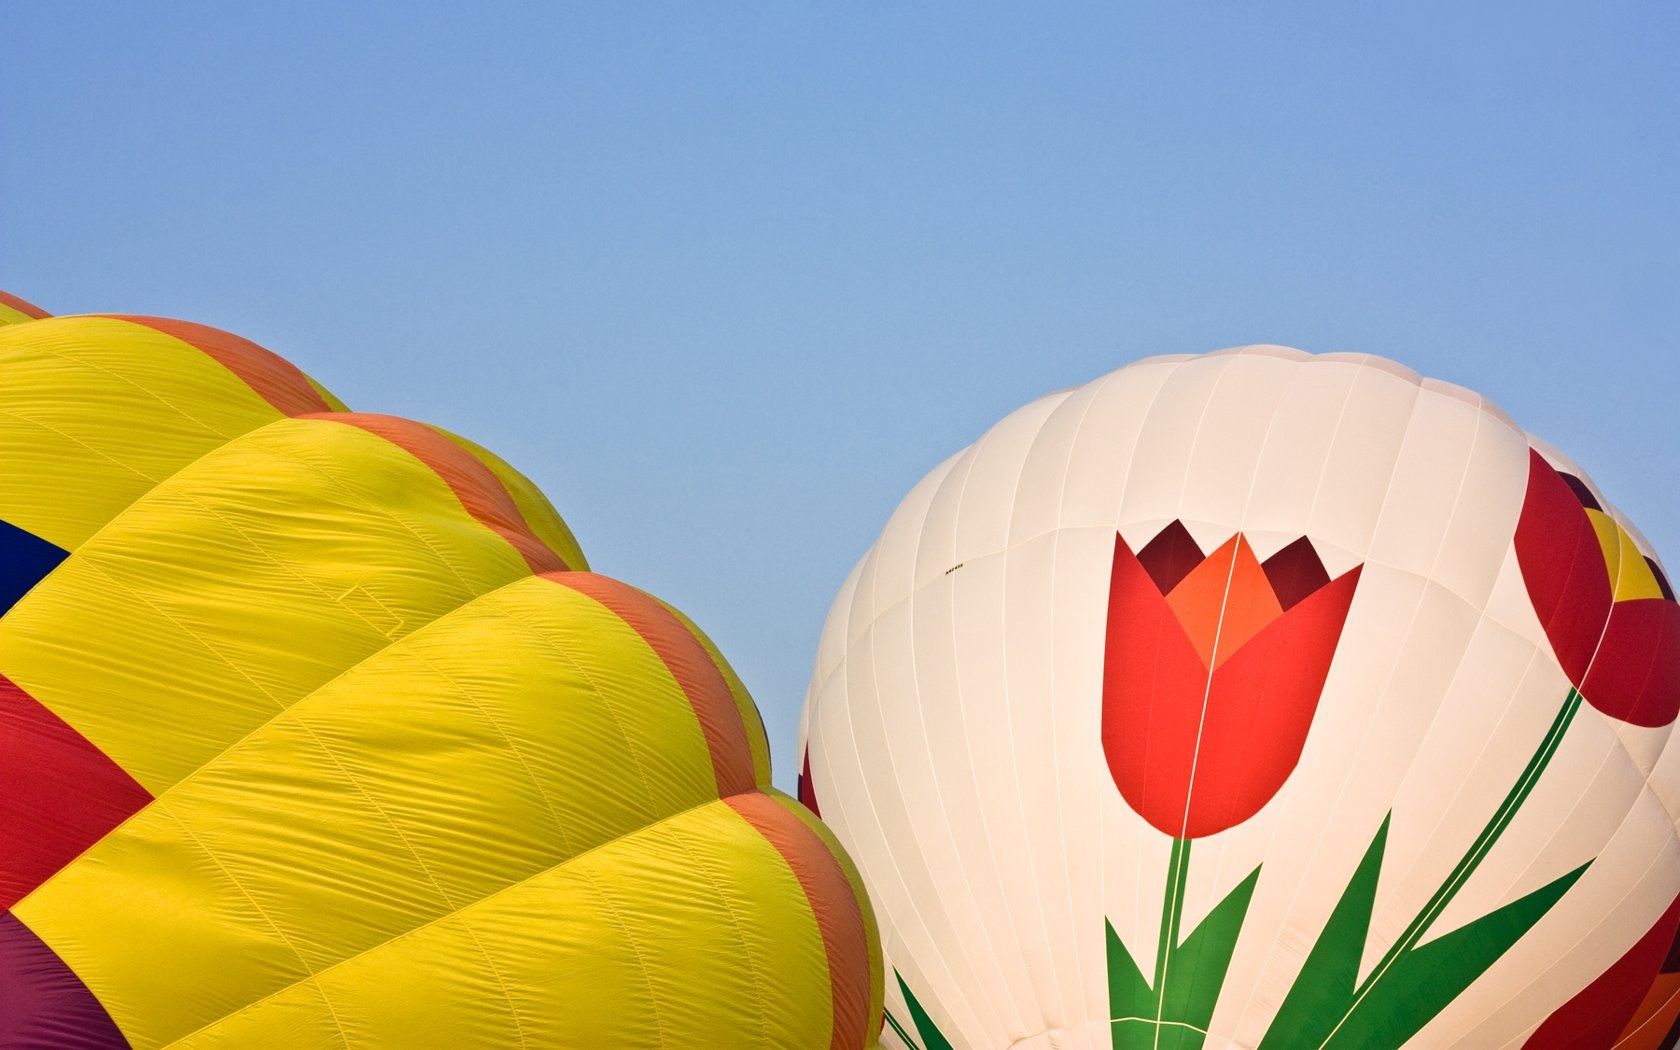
(22, 306)
(275, 379)
(58, 794)
(480, 492)
(833, 901)
(689, 663)
(1600, 1011)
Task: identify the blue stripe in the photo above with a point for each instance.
(25, 559)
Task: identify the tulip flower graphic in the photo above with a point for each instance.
(1609, 612)
(1212, 673)
(1610, 617)
(1614, 626)
(1212, 670)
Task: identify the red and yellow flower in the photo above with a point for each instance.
(1212, 673)
(1608, 610)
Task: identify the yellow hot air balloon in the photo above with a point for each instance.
(1260, 699)
(316, 731)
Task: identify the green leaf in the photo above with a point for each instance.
(1324, 991)
(1130, 999)
(1411, 984)
(1194, 973)
(1197, 968)
(1329, 1007)
(932, 1038)
(1420, 983)
(1129, 994)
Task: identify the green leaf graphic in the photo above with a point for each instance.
(932, 1038)
(1189, 974)
(1420, 983)
(1413, 981)
(1129, 994)
(1325, 987)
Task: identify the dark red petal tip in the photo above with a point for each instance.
(1170, 556)
(1295, 572)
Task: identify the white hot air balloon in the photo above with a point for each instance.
(1259, 699)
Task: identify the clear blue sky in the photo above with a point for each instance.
(725, 280)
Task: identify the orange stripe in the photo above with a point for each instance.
(275, 379)
(689, 663)
(833, 901)
(22, 306)
(1655, 1017)
(478, 490)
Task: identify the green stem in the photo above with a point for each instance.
(1484, 843)
(902, 1034)
(1172, 914)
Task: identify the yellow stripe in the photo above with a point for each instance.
(240, 584)
(682, 930)
(1630, 572)
(409, 795)
(95, 411)
(10, 316)
(327, 395)
(545, 522)
(667, 938)
(526, 728)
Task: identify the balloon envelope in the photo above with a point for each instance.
(316, 730)
(1259, 699)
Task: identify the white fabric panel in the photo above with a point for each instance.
(1026, 791)
(1096, 824)
(1036, 508)
(1232, 434)
(1099, 469)
(972, 751)
(1353, 489)
(994, 478)
(1289, 479)
(1430, 830)
(1664, 780)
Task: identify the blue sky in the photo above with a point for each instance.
(725, 280)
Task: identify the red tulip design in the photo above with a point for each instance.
(1212, 673)
(1608, 610)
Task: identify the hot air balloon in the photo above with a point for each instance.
(1259, 699)
(317, 731)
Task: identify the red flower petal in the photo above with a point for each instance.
(1194, 756)
(1635, 676)
(1224, 602)
(1153, 685)
(1563, 567)
(1260, 707)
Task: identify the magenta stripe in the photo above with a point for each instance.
(43, 1004)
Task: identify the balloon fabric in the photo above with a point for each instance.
(317, 731)
(1259, 699)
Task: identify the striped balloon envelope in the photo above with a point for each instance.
(1259, 699)
(316, 731)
